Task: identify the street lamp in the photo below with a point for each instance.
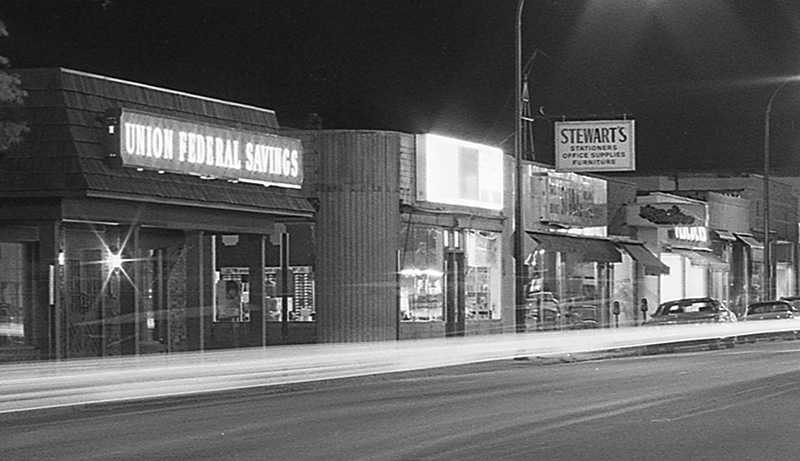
(519, 227)
(767, 247)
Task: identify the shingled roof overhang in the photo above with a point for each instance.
(63, 155)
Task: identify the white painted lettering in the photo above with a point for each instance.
(183, 141)
(249, 156)
(157, 142)
(130, 139)
(168, 146)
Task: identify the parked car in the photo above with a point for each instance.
(580, 316)
(771, 310)
(691, 310)
(545, 303)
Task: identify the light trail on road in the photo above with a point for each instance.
(41, 385)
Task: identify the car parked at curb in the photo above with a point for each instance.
(701, 310)
(771, 310)
(580, 317)
(544, 304)
(691, 310)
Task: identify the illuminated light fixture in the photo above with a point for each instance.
(160, 171)
(61, 258)
(111, 122)
(114, 260)
(140, 169)
(421, 272)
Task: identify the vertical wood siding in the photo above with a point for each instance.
(357, 185)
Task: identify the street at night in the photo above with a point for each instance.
(730, 404)
(399, 230)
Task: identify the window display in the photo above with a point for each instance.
(15, 270)
(301, 294)
(233, 295)
(482, 279)
(423, 277)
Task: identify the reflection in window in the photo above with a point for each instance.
(422, 277)
(15, 299)
(483, 273)
(421, 274)
(301, 294)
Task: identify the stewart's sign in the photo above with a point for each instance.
(161, 143)
(598, 145)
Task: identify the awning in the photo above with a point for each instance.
(652, 265)
(723, 235)
(703, 258)
(750, 241)
(579, 247)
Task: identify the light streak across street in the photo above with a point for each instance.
(34, 386)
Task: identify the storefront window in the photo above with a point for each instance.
(421, 274)
(423, 278)
(15, 302)
(300, 302)
(232, 295)
(482, 278)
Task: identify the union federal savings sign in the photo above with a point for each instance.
(179, 146)
(597, 145)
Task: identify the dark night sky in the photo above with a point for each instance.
(696, 75)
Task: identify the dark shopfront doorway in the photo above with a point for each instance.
(120, 291)
(454, 293)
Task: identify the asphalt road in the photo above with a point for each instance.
(732, 404)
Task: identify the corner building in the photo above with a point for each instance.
(411, 235)
(130, 222)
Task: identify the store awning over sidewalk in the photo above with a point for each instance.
(700, 257)
(723, 235)
(584, 248)
(652, 265)
(750, 241)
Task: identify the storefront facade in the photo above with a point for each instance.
(137, 220)
(746, 232)
(700, 241)
(571, 262)
(411, 235)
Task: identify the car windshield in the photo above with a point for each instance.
(686, 307)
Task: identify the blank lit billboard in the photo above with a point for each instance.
(455, 172)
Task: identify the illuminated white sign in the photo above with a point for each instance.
(691, 234)
(598, 145)
(455, 172)
(160, 143)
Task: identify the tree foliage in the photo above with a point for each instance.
(11, 93)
